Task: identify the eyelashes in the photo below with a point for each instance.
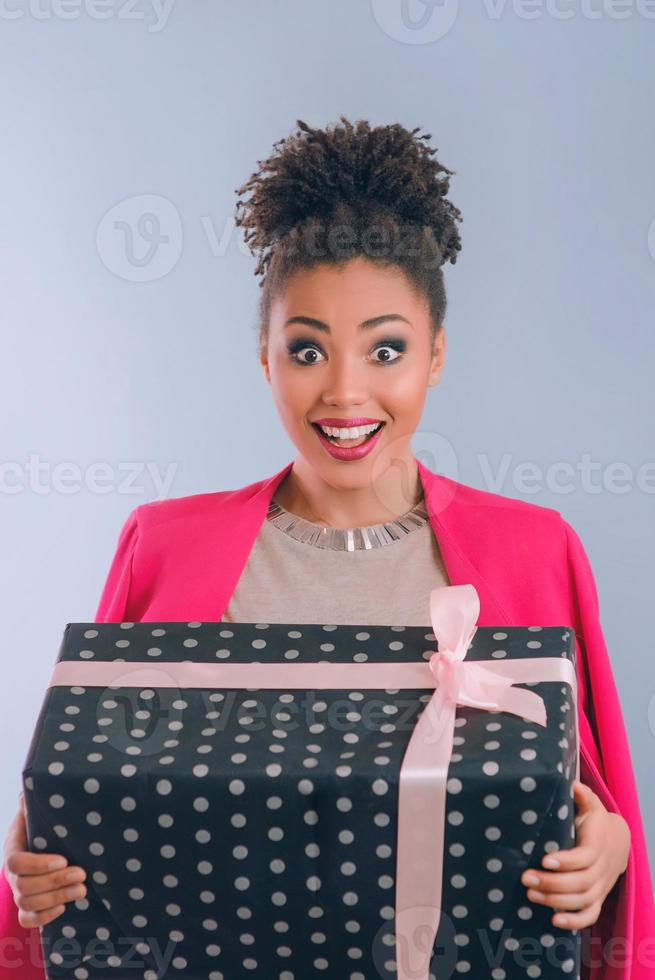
(300, 344)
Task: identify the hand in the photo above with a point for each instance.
(38, 888)
(588, 871)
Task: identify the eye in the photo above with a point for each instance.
(396, 346)
(294, 350)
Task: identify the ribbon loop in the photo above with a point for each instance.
(454, 612)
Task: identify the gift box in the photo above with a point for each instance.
(279, 801)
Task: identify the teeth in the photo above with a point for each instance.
(352, 432)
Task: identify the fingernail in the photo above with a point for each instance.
(57, 863)
(561, 920)
(530, 879)
(550, 862)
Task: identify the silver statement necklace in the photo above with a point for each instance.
(348, 538)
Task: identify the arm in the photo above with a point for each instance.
(582, 876)
(23, 873)
(625, 929)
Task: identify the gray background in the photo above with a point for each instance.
(145, 363)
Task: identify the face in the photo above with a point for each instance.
(345, 343)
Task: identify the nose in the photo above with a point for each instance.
(347, 382)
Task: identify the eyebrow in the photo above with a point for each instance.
(374, 321)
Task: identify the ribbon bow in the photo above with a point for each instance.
(454, 615)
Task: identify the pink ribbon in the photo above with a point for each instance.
(485, 684)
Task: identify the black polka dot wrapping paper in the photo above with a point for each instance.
(252, 833)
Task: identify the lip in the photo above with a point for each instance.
(345, 454)
(345, 423)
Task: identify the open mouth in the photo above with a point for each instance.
(350, 443)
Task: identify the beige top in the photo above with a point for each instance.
(286, 580)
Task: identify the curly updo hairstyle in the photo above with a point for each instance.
(329, 195)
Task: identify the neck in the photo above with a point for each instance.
(384, 497)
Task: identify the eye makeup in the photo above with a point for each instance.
(396, 343)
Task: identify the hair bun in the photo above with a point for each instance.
(318, 174)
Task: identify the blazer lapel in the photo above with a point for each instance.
(458, 549)
(241, 518)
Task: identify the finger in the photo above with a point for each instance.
(571, 858)
(16, 838)
(578, 920)
(19, 861)
(560, 881)
(30, 920)
(36, 884)
(584, 796)
(47, 900)
(560, 900)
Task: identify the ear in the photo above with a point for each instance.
(438, 356)
(263, 359)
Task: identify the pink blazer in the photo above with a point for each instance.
(180, 560)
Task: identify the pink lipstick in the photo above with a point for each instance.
(346, 453)
(344, 423)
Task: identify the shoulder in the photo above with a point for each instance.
(476, 509)
(507, 531)
(192, 509)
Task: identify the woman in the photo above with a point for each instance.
(353, 225)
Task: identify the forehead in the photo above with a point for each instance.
(352, 292)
